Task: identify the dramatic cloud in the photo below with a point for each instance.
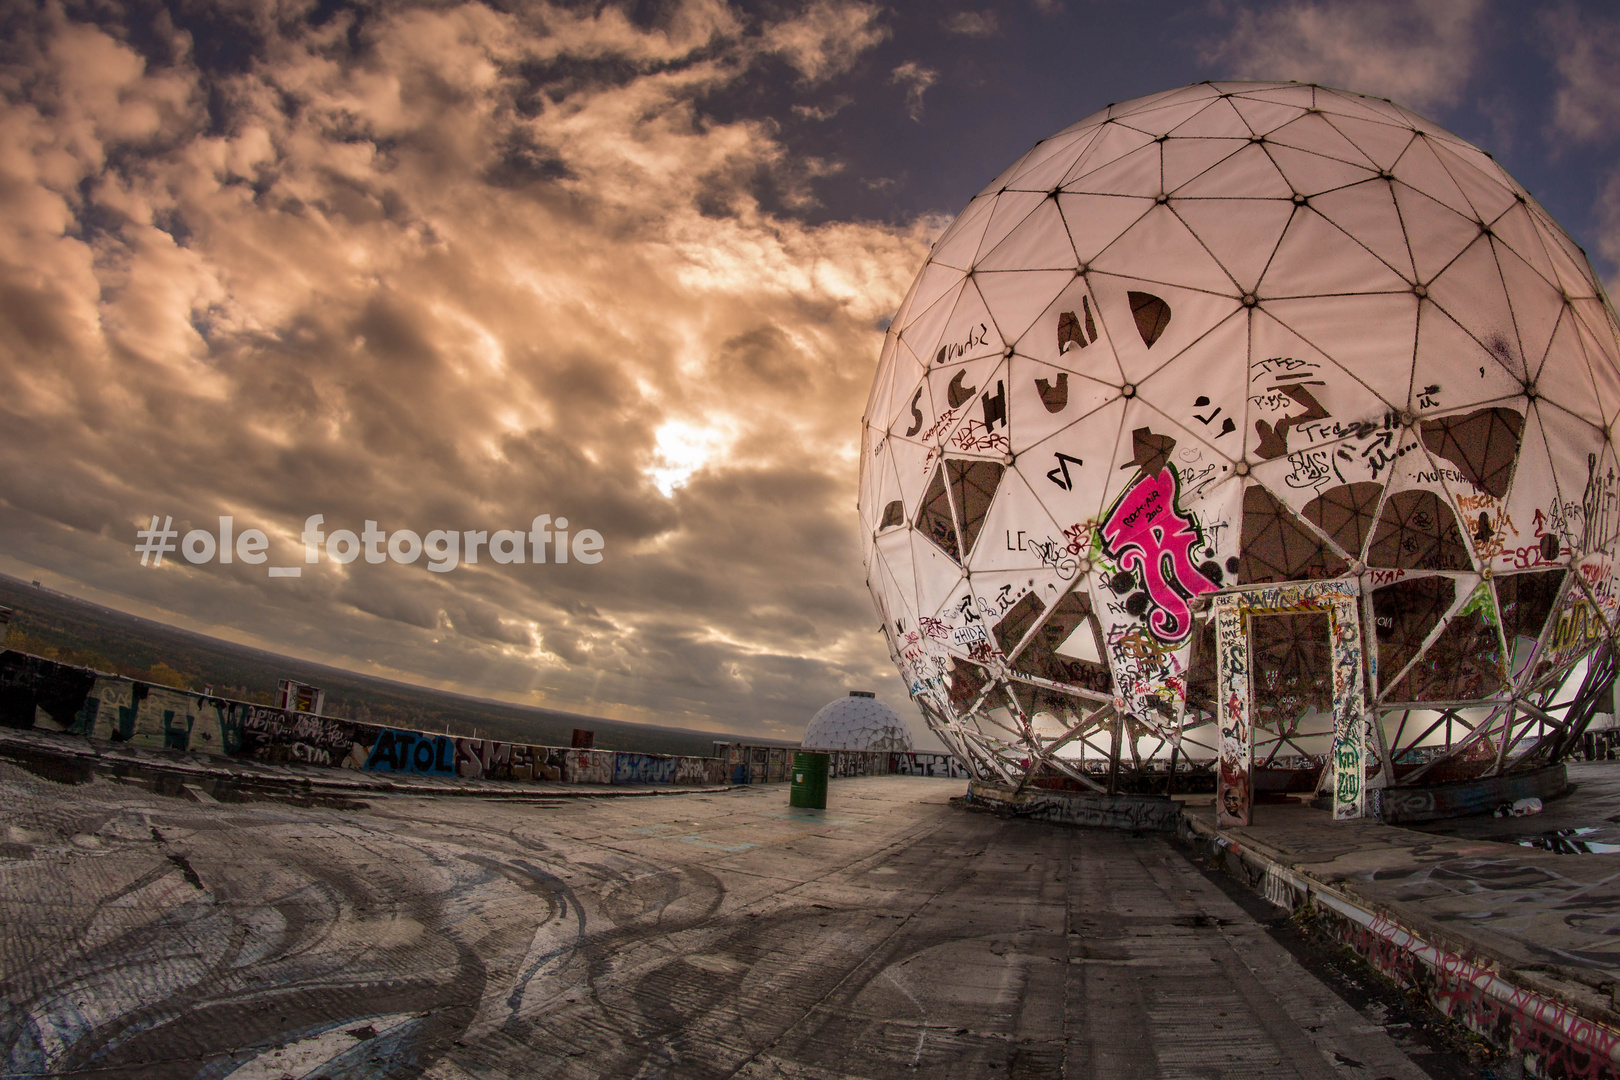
(449, 267)
(979, 24)
(916, 80)
(1586, 106)
(1418, 52)
(827, 38)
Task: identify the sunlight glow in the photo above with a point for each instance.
(683, 449)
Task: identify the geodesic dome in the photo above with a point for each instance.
(856, 722)
(1233, 335)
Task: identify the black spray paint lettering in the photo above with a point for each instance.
(1227, 426)
(1071, 331)
(1055, 396)
(995, 408)
(408, 751)
(956, 393)
(1275, 364)
(976, 337)
(1274, 441)
(916, 414)
(1064, 481)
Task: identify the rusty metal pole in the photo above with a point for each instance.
(1113, 756)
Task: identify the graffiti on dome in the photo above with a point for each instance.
(1148, 533)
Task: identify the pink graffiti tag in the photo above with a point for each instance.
(1145, 531)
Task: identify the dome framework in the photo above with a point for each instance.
(1255, 389)
(857, 722)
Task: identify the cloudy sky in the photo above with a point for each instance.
(452, 265)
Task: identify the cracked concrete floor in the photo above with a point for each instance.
(711, 935)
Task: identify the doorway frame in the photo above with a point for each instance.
(1234, 782)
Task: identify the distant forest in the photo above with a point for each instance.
(65, 628)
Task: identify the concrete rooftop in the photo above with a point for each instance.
(706, 935)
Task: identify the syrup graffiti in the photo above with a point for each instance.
(1148, 533)
(643, 769)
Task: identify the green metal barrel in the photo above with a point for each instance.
(809, 781)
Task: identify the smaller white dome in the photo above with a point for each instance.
(857, 722)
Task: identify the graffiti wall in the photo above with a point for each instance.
(277, 735)
(700, 771)
(755, 764)
(489, 760)
(912, 764)
(643, 769)
(412, 752)
(42, 695)
(38, 692)
(588, 766)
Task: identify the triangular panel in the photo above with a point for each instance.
(1381, 143)
(1312, 174)
(1370, 336)
(1015, 298)
(1151, 324)
(1137, 173)
(1043, 399)
(1242, 234)
(1040, 242)
(1159, 248)
(1317, 258)
(958, 246)
(1247, 174)
(1369, 216)
(1096, 221)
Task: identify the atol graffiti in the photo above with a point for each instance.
(1147, 533)
(411, 751)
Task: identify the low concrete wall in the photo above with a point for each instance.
(750, 764)
(1149, 813)
(41, 695)
(1551, 1036)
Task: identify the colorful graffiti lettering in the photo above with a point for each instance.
(412, 752)
(1559, 1039)
(1346, 774)
(643, 769)
(60, 699)
(1147, 532)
